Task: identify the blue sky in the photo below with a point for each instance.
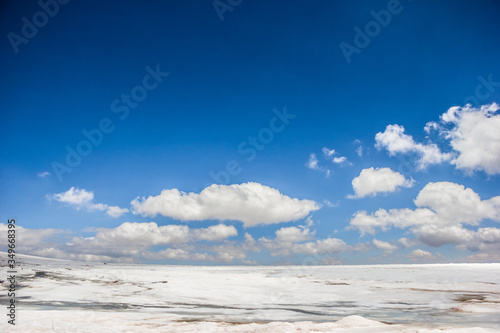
(233, 72)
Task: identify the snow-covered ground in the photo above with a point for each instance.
(65, 296)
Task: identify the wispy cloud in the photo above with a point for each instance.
(313, 162)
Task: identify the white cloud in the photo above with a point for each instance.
(180, 254)
(475, 135)
(30, 237)
(484, 257)
(43, 174)
(132, 242)
(437, 236)
(251, 203)
(81, 198)
(321, 247)
(312, 163)
(457, 204)
(309, 222)
(328, 152)
(57, 253)
(485, 239)
(339, 160)
(387, 247)
(487, 235)
(359, 150)
(173, 254)
(443, 209)
(421, 254)
(291, 240)
(133, 237)
(75, 197)
(129, 239)
(293, 235)
(372, 181)
(395, 141)
(329, 204)
(215, 233)
(115, 211)
(406, 243)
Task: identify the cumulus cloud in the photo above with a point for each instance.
(372, 181)
(81, 198)
(75, 197)
(321, 247)
(395, 141)
(115, 211)
(475, 136)
(406, 243)
(387, 247)
(421, 254)
(178, 254)
(250, 203)
(130, 238)
(457, 204)
(30, 237)
(139, 241)
(484, 257)
(300, 240)
(443, 210)
(215, 233)
(128, 242)
(484, 239)
(293, 235)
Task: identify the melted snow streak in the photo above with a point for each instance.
(65, 296)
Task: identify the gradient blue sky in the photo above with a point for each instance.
(225, 78)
